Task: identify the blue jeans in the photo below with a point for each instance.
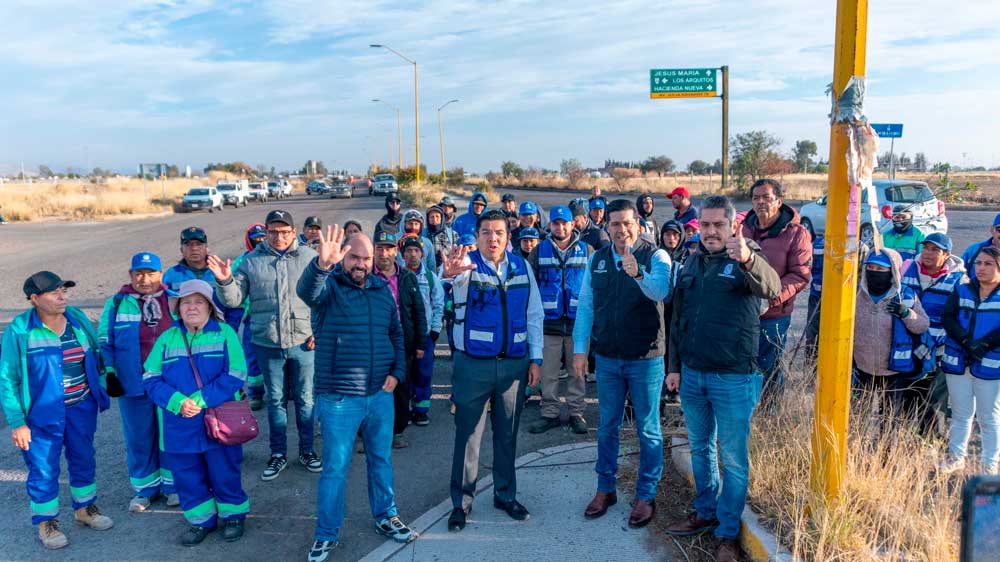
(340, 416)
(719, 406)
(770, 350)
(272, 364)
(643, 379)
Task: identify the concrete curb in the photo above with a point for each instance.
(440, 511)
(758, 542)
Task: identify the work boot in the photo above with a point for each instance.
(727, 551)
(195, 534)
(91, 517)
(256, 404)
(50, 535)
(399, 442)
(691, 525)
(232, 529)
(578, 425)
(138, 504)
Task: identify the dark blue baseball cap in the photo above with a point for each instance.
(560, 213)
(940, 240)
(527, 208)
(146, 260)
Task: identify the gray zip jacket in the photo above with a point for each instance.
(278, 317)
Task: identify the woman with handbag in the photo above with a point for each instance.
(195, 368)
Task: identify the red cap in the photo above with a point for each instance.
(693, 223)
(679, 191)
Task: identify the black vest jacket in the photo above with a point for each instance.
(627, 324)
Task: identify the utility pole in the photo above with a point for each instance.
(836, 335)
(725, 125)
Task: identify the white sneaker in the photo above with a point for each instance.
(394, 528)
(591, 377)
(320, 551)
(951, 465)
(173, 500)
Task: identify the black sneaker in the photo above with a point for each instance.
(320, 551)
(421, 419)
(232, 530)
(578, 425)
(456, 521)
(195, 534)
(394, 528)
(311, 462)
(544, 424)
(274, 467)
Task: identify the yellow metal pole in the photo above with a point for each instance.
(416, 120)
(444, 176)
(836, 344)
(725, 125)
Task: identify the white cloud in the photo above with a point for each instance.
(561, 78)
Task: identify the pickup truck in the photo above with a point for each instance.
(279, 188)
(383, 184)
(234, 193)
(258, 192)
(198, 198)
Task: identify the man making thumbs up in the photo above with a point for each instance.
(713, 359)
(620, 313)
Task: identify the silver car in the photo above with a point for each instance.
(893, 196)
(341, 189)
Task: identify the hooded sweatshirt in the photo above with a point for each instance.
(788, 248)
(441, 236)
(466, 224)
(648, 224)
(429, 261)
(873, 324)
(390, 221)
(678, 254)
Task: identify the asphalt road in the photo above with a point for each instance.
(282, 519)
(96, 255)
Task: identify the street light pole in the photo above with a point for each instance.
(444, 175)
(416, 105)
(399, 133)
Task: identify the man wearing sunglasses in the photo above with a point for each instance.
(281, 332)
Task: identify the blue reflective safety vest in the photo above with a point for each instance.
(816, 286)
(978, 318)
(909, 352)
(559, 279)
(495, 315)
(933, 297)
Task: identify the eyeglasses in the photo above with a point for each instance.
(277, 233)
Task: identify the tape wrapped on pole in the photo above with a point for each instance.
(862, 157)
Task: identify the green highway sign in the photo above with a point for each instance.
(682, 82)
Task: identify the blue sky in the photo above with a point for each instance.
(277, 82)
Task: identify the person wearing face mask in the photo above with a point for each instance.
(903, 236)
(390, 222)
(889, 355)
(360, 361)
(130, 323)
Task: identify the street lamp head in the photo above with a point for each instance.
(375, 46)
(376, 99)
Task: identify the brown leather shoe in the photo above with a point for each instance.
(600, 504)
(642, 513)
(727, 551)
(691, 525)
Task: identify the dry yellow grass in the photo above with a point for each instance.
(81, 199)
(892, 508)
(425, 195)
(797, 186)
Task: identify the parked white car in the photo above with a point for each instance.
(893, 196)
(198, 198)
